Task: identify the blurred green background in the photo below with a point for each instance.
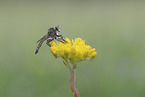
(115, 28)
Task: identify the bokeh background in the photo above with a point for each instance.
(115, 28)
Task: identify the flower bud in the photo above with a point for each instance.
(52, 43)
(93, 55)
(54, 52)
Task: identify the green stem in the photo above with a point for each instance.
(73, 78)
(72, 81)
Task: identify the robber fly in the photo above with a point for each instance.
(51, 34)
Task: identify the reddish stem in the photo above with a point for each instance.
(72, 81)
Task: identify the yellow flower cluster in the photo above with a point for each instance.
(74, 51)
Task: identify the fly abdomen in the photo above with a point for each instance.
(36, 51)
(41, 42)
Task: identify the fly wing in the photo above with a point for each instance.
(41, 42)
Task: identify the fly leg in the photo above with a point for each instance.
(48, 41)
(61, 39)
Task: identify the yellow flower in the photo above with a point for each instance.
(54, 51)
(74, 51)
